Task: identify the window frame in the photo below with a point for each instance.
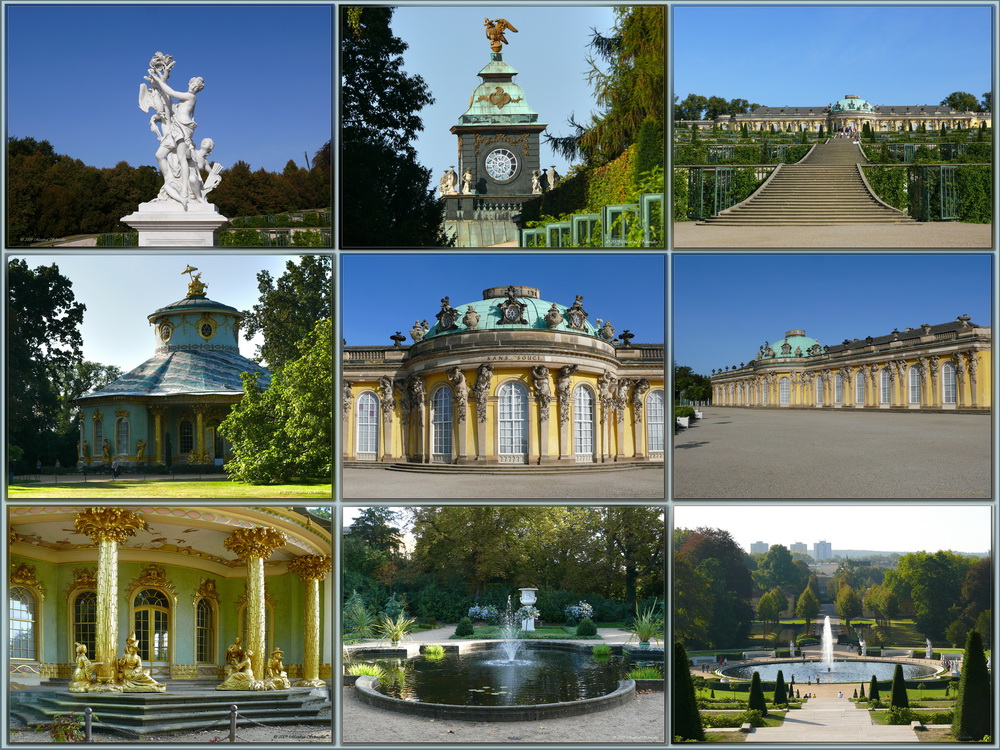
(442, 422)
(35, 611)
(784, 391)
(516, 424)
(122, 422)
(656, 395)
(366, 424)
(212, 630)
(913, 374)
(146, 646)
(91, 642)
(948, 369)
(885, 386)
(579, 411)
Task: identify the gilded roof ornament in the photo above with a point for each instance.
(495, 30)
(196, 287)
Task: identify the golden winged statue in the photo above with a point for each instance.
(495, 30)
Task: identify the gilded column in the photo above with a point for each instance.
(158, 412)
(311, 570)
(254, 545)
(200, 434)
(107, 527)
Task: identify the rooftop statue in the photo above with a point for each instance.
(173, 124)
(495, 30)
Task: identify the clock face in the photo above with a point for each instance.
(446, 321)
(206, 330)
(577, 319)
(165, 332)
(501, 164)
(511, 313)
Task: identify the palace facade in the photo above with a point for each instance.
(850, 112)
(187, 581)
(509, 379)
(168, 409)
(945, 366)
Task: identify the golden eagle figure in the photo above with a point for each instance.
(495, 30)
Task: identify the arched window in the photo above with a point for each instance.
(583, 423)
(654, 421)
(85, 621)
(205, 632)
(784, 391)
(512, 401)
(23, 618)
(886, 384)
(914, 379)
(151, 623)
(859, 388)
(838, 388)
(121, 437)
(441, 425)
(819, 389)
(98, 437)
(948, 383)
(185, 432)
(367, 440)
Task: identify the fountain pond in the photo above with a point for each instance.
(837, 671)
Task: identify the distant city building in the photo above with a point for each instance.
(759, 548)
(823, 551)
(799, 547)
(850, 112)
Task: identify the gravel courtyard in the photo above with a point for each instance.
(800, 453)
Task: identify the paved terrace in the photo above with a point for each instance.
(806, 453)
(934, 234)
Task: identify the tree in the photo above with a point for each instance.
(690, 385)
(977, 589)
(716, 107)
(686, 722)
(376, 527)
(963, 101)
(776, 568)
(873, 693)
(288, 310)
(633, 538)
(848, 604)
(379, 124)
(934, 583)
(691, 108)
(807, 606)
(987, 103)
(956, 633)
(295, 410)
(693, 606)
(984, 625)
(739, 106)
(973, 718)
(756, 700)
(898, 698)
(780, 690)
(43, 343)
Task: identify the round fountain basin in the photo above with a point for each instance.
(840, 671)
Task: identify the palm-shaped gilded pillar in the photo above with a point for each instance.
(311, 569)
(254, 545)
(107, 528)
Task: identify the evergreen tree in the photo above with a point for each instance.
(387, 198)
(973, 719)
(757, 700)
(780, 690)
(686, 719)
(862, 693)
(899, 697)
(873, 693)
(649, 153)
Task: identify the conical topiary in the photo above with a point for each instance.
(873, 693)
(862, 693)
(780, 691)
(974, 708)
(687, 720)
(899, 697)
(757, 695)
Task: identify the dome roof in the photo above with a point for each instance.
(796, 339)
(498, 98)
(490, 315)
(853, 103)
(191, 303)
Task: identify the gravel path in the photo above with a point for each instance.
(282, 735)
(937, 234)
(639, 721)
(382, 484)
(802, 453)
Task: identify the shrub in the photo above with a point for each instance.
(645, 673)
(900, 714)
(464, 628)
(434, 651)
(369, 670)
(579, 611)
(756, 699)
(687, 722)
(601, 649)
(899, 698)
(683, 411)
(751, 716)
(394, 607)
(586, 628)
(64, 727)
(487, 613)
(973, 709)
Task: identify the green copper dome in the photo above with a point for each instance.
(498, 99)
(796, 340)
(490, 314)
(853, 103)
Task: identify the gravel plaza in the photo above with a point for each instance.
(802, 453)
(938, 234)
(385, 484)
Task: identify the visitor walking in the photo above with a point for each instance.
(114, 469)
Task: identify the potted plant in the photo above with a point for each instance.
(648, 625)
(394, 630)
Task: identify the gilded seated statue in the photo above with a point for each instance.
(275, 674)
(234, 655)
(131, 675)
(83, 675)
(242, 677)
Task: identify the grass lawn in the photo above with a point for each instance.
(733, 736)
(773, 718)
(193, 488)
(935, 735)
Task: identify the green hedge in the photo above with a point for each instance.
(897, 186)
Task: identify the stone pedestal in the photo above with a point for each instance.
(167, 224)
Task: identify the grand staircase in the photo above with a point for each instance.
(825, 188)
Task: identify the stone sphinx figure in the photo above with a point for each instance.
(242, 677)
(83, 674)
(131, 675)
(275, 674)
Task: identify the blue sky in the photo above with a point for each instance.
(121, 289)
(812, 55)
(384, 293)
(448, 47)
(726, 306)
(73, 74)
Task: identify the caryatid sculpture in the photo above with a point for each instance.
(181, 163)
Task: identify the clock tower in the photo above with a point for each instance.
(498, 153)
